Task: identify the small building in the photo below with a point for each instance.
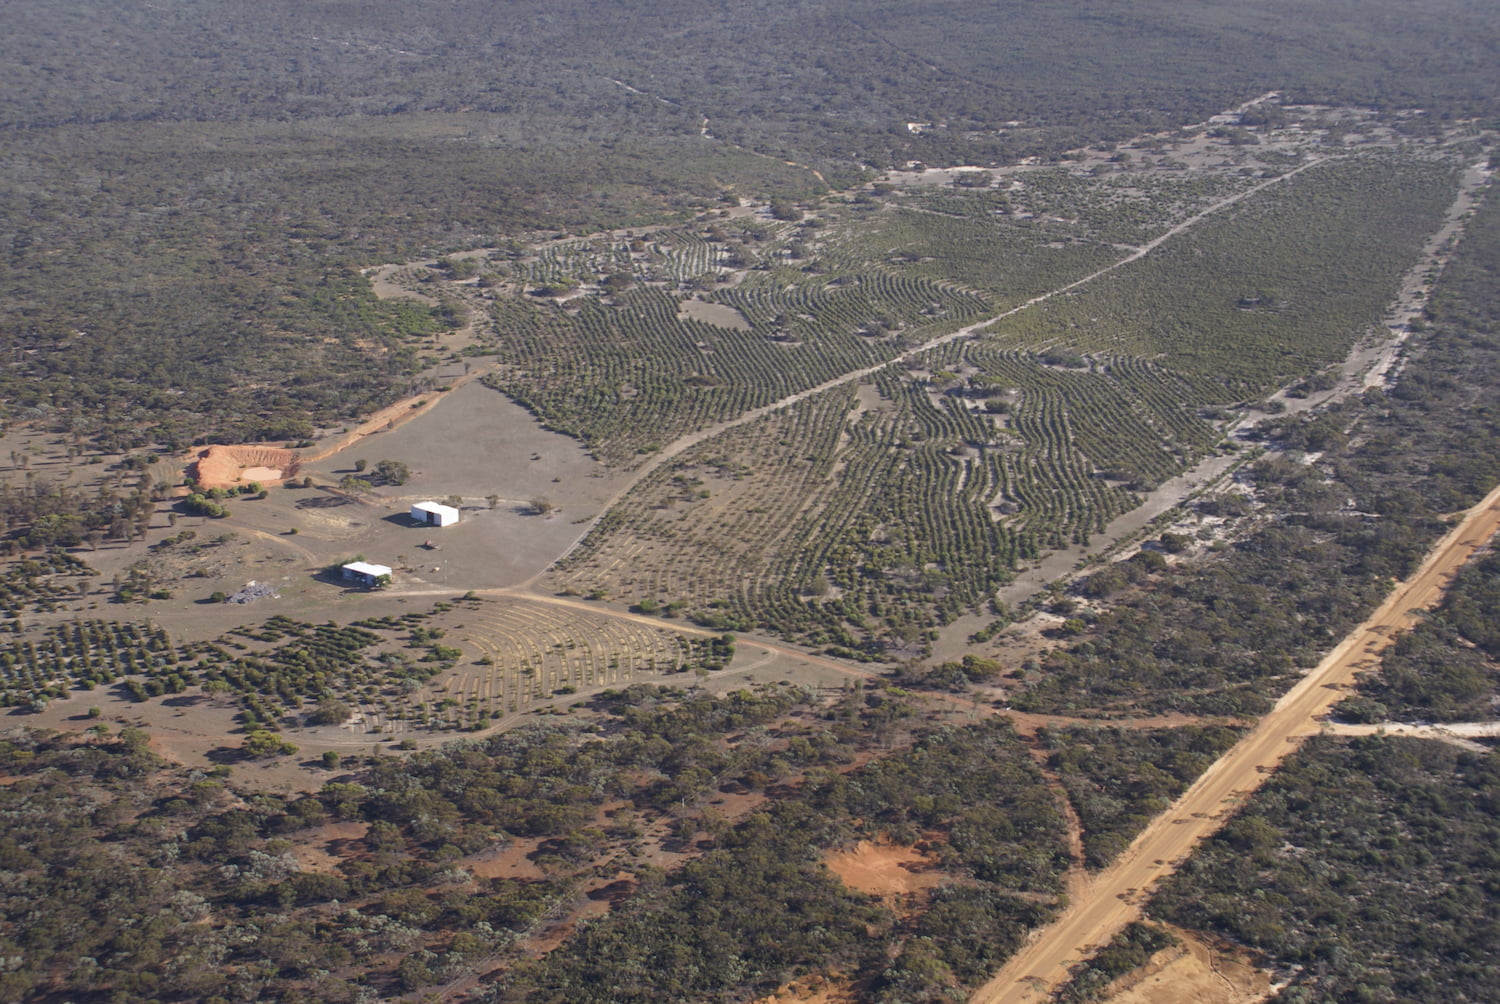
(434, 514)
(367, 574)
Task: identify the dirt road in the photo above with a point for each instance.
(1115, 896)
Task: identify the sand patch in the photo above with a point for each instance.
(883, 869)
(510, 862)
(317, 850)
(390, 282)
(1194, 972)
(716, 314)
(230, 466)
(813, 990)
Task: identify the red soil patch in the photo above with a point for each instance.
(511, 862)
(884, 869)
(814, 990)
(322, 849)
(229, 466)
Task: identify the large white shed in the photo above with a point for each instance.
(434, 514)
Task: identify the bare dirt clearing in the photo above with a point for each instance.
(388, 418)
(1195, 972)
(323, 848)
(232, 466)
(714, 313)
(475, 442)
(885, 869)
(394, 282)
(512, 861)
(814, 990)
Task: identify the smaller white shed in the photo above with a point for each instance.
(434, 514)
(367, 574)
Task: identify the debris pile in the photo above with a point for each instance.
(252, 592)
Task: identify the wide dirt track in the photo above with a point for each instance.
(1115, 896)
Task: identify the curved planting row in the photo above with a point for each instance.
(851, 527)
(518, 653)
(630, 376)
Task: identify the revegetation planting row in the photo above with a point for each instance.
(631, 376)
(1029, 438)
(1270, 289)
(1226, 635)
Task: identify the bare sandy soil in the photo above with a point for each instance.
(1195, 972)
(814, 990)
(232, 466)
(1464, 735)
(1116, 895)
(476, 442)
(394, 282)
(321, 848)
(392, 415)
(713, 313)
(885, 869)
(513, 861)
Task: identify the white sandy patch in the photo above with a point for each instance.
(716, 314)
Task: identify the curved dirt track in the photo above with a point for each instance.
(1115, 896)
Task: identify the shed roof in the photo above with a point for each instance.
(365, 568)
(437, 509)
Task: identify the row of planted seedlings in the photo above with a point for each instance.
(630, 375)
(526, 653)
(1009, 261)
(1268, 291)
(82, 655)
(698, 530)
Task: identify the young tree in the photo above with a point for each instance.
(263, 743)
(393, 472)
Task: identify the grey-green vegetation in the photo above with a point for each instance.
(189, 193)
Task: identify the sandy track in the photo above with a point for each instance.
(1116, 895)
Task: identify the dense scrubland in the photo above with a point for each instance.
(188, 195)
(402, 910)
(1372, 869)
(201, 180)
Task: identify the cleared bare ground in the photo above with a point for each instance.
(1194, 972)
(885, 869)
